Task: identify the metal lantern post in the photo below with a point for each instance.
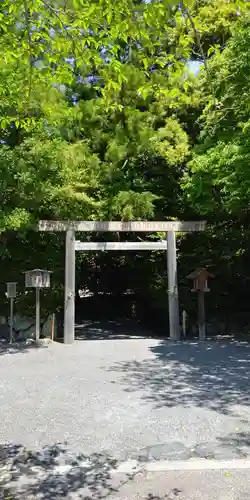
(37, 278)
(200, 277)
(11, 294)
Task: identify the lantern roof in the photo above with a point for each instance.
(200, 272)
(37, 271)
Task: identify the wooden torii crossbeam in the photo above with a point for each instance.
(168, 227)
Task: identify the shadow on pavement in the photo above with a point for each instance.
(169, 496)
(109, 330)
(54, 473)
(18, 347)
(212, 374)
(238, 440)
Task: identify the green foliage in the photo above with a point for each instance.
(101, 118)
(46, 178)
(56, 42)
(214, 20)
(218, 177)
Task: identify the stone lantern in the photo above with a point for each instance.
(200, 286)
(200, 278)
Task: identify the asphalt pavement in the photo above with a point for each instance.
(203, 485)
(120, 400)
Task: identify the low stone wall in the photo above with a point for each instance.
(24, 328)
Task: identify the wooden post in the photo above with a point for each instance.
(69, 299)
(201, 315)
(53, 327)
(200, 277)
(173, 300)
(11, 319)
(37, 313)
(184, 323)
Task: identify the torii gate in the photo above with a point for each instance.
(169, 227)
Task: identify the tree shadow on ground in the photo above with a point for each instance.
(18, 347)
(54, 473)
(212, 374)
(109, 330)
(238, 440)
(169, 496)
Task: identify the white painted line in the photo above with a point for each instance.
(129, 466)
(66, 468)
(178, 465)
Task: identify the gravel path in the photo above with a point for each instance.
(131, 398)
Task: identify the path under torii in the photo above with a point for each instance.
(169, 227)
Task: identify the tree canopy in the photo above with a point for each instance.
(124, 110)
(218, 178)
